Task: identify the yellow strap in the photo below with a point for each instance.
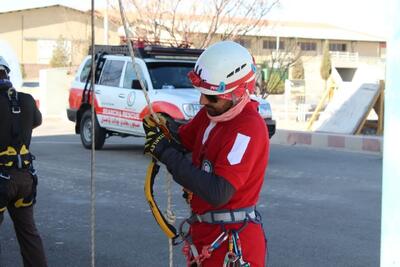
(8, 164)
(3, 209)
(168, 229)
(24, 150)
(10, 151)
(20, 203)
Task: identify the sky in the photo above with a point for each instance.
(362, 15)
(367, 16)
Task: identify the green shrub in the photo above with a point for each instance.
(298, 70)
(60, 57)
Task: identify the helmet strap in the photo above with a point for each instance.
(232, 112)
(234, 99)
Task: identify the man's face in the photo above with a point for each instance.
(215, 106)
(3, 74)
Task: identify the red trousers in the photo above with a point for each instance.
(252, 238)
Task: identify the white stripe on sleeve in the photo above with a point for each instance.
(239, 148)
(207, 131)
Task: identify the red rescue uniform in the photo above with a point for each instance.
(238, 151)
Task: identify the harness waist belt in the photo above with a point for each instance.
(16, 158)
(226, 216)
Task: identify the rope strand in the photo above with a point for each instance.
(92, 155)
(170, 215)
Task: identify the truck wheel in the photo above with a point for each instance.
(86, 132)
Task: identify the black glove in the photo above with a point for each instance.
(156, 142)
(166, 122)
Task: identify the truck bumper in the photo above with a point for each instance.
(71, 114)
(271, 124)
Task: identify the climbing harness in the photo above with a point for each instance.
(16, 156)
(234, 256)
(226, 216)
(191, 253)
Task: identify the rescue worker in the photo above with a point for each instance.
(18, 180)
(229, 143)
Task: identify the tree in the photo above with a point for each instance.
(193, 21)
(298, 70)
(276, 67)
(60, 57)
(326, 64)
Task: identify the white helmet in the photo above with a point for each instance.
(4, 65)
(223, 69)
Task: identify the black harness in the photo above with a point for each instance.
(16, 155)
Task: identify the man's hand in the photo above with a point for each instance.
(149, 121)
(156, 142)
(165, 124)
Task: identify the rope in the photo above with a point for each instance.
(170, 215)
(92, 157)
(135, 67)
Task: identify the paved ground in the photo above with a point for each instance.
(320, 207)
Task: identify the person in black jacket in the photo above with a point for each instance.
(18, 180)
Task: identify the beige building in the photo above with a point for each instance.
(349, 50)
(34, 32)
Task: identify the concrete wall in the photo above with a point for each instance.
(367, 49)
(54, 85)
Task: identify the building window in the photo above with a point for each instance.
(338, 47)
(308, 46)
(244, 42)
(270, 44)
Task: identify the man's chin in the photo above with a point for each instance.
(212, 112)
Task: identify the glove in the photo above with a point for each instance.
(156, 142)
(168, 124)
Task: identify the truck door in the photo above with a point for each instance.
(110, 96)
(135, 100)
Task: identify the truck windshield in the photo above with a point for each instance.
(170, 75)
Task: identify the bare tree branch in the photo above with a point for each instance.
(197, 22)
(277, 64)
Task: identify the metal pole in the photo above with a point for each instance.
(390, 224)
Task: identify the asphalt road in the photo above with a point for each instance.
(320, 207)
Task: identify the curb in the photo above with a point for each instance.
(359, 143)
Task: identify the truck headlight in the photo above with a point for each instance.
(191, 109)
(265, 110)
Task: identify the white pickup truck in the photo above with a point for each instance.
(120, 104)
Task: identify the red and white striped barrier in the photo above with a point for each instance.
(361, 143)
